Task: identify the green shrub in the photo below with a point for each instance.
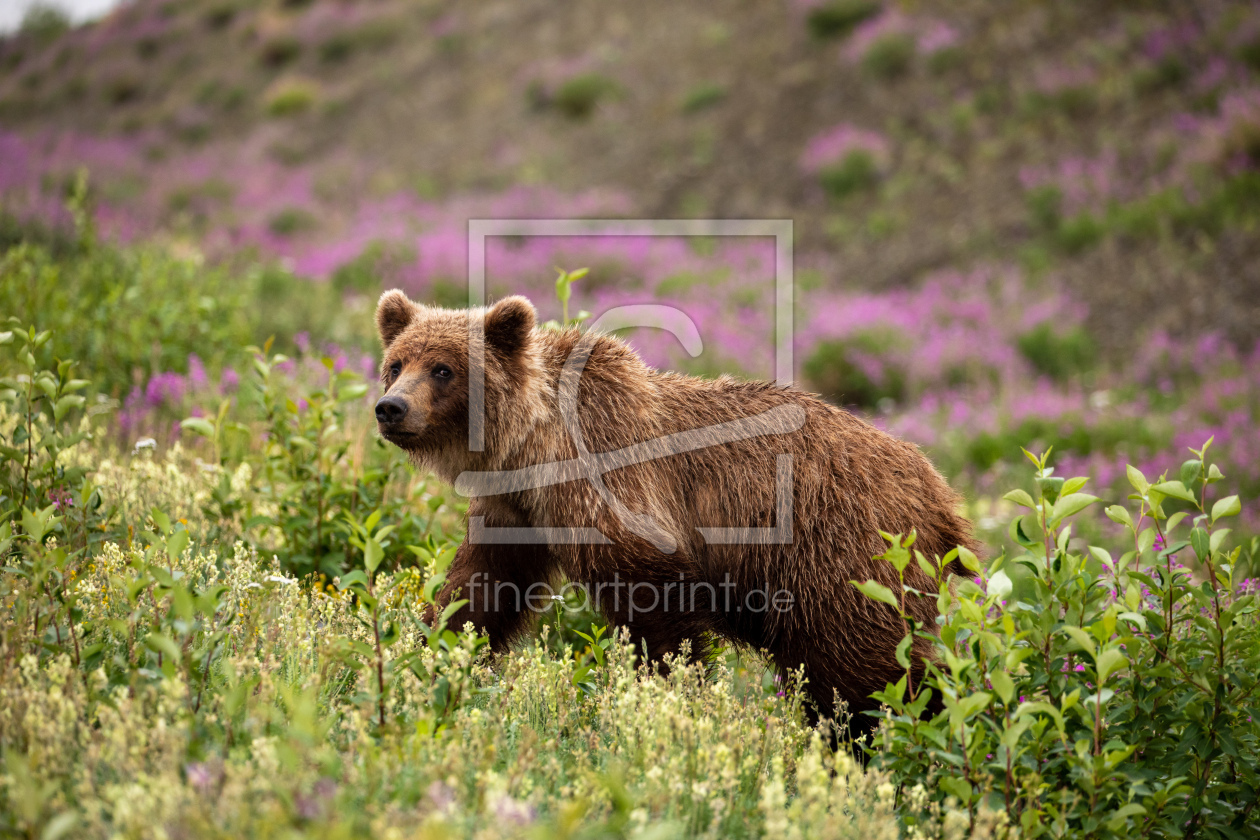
(290, 97)
(373, 35)
(378, 264)
(1080, 233)
(280, 50)
(889, 57)
(122, 89)
(38, 397)
(702, 97)
(1249, 53)
(1075, 101)
(831, 371)
(1169, 72)
(944, 60)
(220, 13)
(1058, 354)
(337, 47)
(44, 22)
(1086, 693)
(291, 220)
(579, 96)
(141, 312)
(856, 171)
(839, 17)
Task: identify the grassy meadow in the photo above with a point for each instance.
(1025, 240)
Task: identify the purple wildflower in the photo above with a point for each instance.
(196, 372)
(165, 389)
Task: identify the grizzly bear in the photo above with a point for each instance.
(688, 509)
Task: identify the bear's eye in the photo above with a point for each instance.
(395, 369)
(442, 372)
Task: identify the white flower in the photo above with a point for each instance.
(144, 443)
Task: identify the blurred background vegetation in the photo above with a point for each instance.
(1016, 223)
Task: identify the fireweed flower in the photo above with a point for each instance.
(165, 389)
(833, 146)
(196, 372)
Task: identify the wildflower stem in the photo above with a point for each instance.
(26, 467)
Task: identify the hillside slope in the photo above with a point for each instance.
(1111, 144)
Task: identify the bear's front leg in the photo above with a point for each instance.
(504, 585)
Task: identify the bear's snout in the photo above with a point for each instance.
(391, 410)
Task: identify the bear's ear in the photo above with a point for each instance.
(509, 324)
(393, 314)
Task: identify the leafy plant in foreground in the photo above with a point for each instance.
(1084, 694)
(387, 602)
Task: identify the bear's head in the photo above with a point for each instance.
(427, 374)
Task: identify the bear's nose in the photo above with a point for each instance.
(391, 409)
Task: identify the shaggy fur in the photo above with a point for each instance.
(851, 480)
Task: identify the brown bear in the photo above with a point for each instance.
(688, 509)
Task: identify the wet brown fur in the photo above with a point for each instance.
(851, 480)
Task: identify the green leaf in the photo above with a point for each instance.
(1073, 484)
(1020, 533)
(1039, 707)
(903, 651)
(1082, 638)
(59, 826)
(176, 543)
(34, 525)
(1118, 816)
(1003, 685)
(164, 644)
(352, 578)
(969, 560)
(1072, 504)
(999, 585)
(877, 592)
(1228, 506)
(926, 565)
(162, 521)
(1020, 497)
(1110, 661)
(373, 553)
(352, 392)
(65, 403)
(974, 704)
(1175, 490)
(200, 425)
(1138, 480)
(1200, 542)
(451, 608)
(957, 787)
(1119, 514)
(389, 634)
(48, 385)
